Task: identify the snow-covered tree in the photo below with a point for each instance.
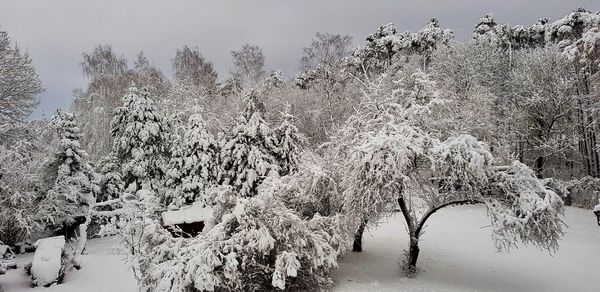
(193, 166)
(23, 156)
(400, 164)
(249, 66)
(109, 76)
(139, 141)
(385, 46)
(19, 82)
(192, 69)
(71, 199)
(249, 151)
(110, 182)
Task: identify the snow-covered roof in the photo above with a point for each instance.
(194, 213)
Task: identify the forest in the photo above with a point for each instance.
(294, 171)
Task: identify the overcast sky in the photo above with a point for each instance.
(55, 33)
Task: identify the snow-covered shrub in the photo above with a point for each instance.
(584, 192)
(313, 189)
(256, 244)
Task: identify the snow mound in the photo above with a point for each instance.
(46, 266)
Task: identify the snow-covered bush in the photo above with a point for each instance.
(313, 189)
(584, 192)
(256, 244)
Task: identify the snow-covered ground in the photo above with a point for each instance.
(456, 255)
(102, 271)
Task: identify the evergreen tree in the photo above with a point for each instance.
(110, 183)
(289, 142)
(193, 164)
(70, 200)
(248, 154)
(139, 134)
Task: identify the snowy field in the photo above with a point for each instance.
(456, 255)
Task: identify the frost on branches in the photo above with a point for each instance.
(193, 167)
(22, 159)
(256, 244)
(139, 140)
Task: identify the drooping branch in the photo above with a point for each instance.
(438, 207)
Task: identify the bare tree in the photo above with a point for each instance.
(19, 82)
(191, 68)
(249, 65)
(326, 49)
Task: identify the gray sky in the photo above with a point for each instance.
(56, 32)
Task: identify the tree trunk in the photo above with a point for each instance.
(413, 253)
(357, 245)
(539, 166)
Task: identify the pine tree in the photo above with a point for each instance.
(110, 183)
(193, 164)
(248, 154)
(289, 142)
(139, 134)
(70, 200)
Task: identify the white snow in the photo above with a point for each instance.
(194, 213)
(457, 254)
(597, 208)
(103, 270)
(46, 263)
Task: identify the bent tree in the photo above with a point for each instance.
(401, 164)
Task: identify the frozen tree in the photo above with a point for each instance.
(192, 69)
(139, 140)
(193, 166)
(70, 201)
(19, 82)
(248, 65)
